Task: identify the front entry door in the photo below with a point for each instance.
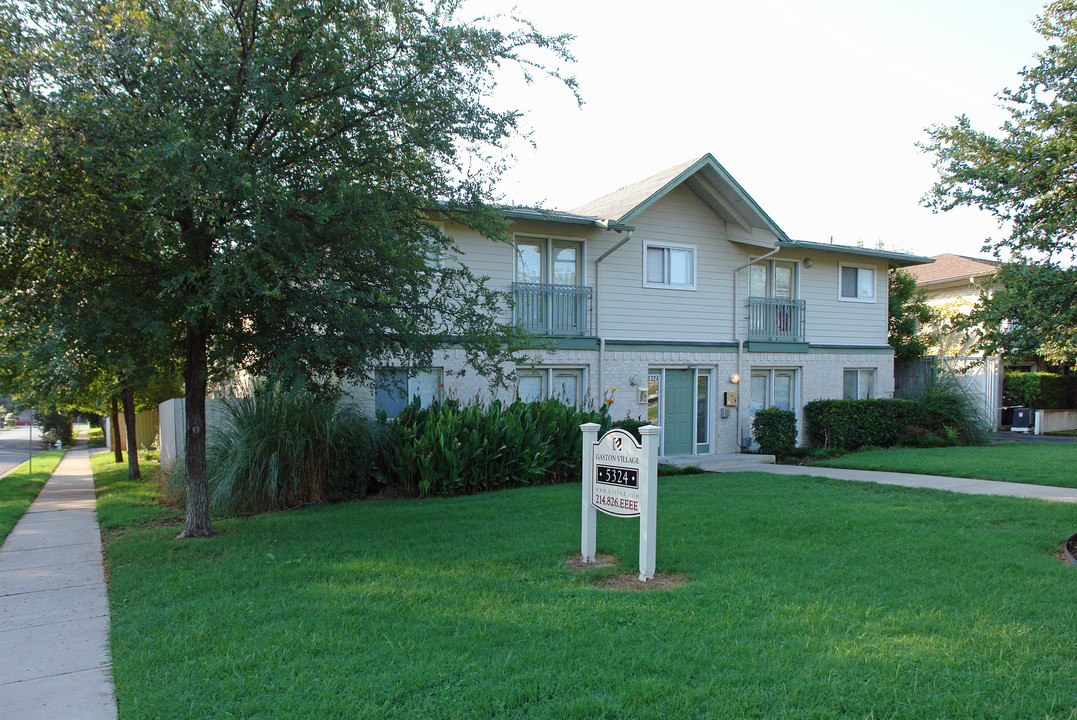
(680, 402)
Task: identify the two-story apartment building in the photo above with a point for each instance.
(678, 298)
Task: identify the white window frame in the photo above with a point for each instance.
(412, 384)
(874, 284)
(769, 265)
(768, 402)
(668, 284)
(548, 259)
(547, 374)
(872, 393)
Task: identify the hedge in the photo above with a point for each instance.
(852, 424)
(776, 431)
(1041, 390)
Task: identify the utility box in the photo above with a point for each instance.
(1022, 420)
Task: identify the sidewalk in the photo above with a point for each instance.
(938, 482)
(54, 618)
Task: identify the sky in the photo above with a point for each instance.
(814, 106)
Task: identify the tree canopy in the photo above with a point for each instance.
(1030, 314)
(1026, 175)
(271, 173)
(909, 312)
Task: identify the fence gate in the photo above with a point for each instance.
(979, 379)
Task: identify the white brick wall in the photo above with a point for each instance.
(820, 375)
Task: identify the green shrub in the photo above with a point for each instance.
(56, 425)
(450, 449)
(851, 424)
(285, 449)
(776, 431)
(632, 425)
(1043, 391)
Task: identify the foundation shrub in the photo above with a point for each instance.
(776, 431)
(631, 425)
(852, 424)
(453, 449)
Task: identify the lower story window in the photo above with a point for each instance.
(563, 384)
(771, 388)
(394, 388)
(858, 384)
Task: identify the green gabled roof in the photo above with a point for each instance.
(705, 176)
(895, 259)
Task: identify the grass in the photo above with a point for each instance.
(19, 488)
(808, 598)
(1039, 463)
(96, 437)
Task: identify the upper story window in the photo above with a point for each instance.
(856, 283)
(774, 279)
(552, 261)
(669, 266)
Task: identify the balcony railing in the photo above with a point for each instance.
(775, 319)
(545, 309)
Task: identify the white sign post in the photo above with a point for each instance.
(589, 518)
(620, 479)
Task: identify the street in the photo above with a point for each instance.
(14, 447)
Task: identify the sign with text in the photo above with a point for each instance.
(615, 490)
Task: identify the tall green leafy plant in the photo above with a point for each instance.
(452, 449)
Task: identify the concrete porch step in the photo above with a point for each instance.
(714, 461)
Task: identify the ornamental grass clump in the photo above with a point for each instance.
(286, 449)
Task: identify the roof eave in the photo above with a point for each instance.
(708, 161)
(894, 259)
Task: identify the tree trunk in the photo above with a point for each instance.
(128, 396)
(114, 431)
(195, 382)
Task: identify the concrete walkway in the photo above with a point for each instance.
(54, 619)
(937, 482)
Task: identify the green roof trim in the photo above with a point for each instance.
(898, 259)
(560, 216)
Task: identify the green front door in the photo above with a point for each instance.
(680, 406)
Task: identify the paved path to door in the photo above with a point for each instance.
(54, 619)
(938, 482)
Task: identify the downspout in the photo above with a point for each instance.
(598, 327)
(740, 340)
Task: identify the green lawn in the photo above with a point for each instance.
(19, 489)
(809, 598)
(1039, 463)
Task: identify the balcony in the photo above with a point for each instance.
(554, 310)
(775, 320)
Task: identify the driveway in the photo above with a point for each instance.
(1029, 437)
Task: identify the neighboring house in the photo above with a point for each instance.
(953, 285)
(678, 298)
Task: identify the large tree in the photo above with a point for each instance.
(285, 160)
(908, 313)
(1029, 313)
(1026, 174)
